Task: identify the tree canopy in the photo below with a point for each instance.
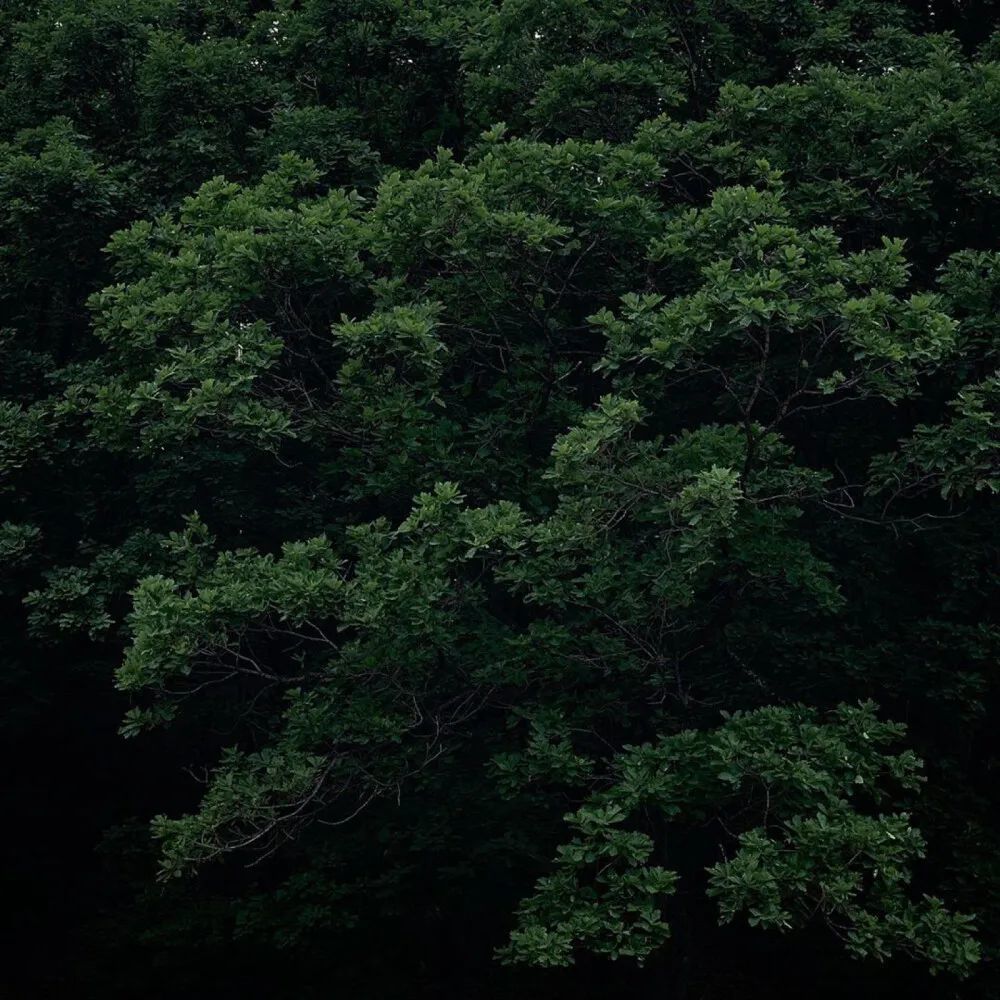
(499, 497)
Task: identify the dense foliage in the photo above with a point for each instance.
(499, 497)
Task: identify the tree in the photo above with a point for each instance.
(534, 462)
